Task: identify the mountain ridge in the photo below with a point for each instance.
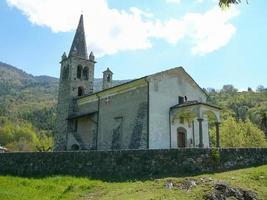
(15, 77)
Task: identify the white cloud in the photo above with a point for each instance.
(211, 30)
(112, 30)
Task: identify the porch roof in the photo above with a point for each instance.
(194, 103)
(192, 109)
(79, 115)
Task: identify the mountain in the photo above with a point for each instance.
(44, 78)
(29, 98)
(13, 80)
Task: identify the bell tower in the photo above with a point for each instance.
(107, 79)
(76, 80)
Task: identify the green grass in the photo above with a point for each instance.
(65, 187)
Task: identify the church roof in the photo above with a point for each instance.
(181, 69)
(79, 115)
(108, 70)
(78, 47)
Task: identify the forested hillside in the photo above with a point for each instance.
(28, 111)
(28, 108)
(244, 120)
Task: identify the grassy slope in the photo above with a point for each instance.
(59, 187)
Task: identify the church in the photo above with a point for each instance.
(165, 110)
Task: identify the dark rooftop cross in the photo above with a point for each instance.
(78, 47)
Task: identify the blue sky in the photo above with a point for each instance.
(137, 38)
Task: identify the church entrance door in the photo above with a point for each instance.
(181, 138)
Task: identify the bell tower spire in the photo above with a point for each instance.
(76, 80)
(78, 47)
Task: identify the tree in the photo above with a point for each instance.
(227, 3)
(229, 88)
(45, 142)
(260, 88)
(20, 137)
(211, 90)
(239, 134)
(264, 123)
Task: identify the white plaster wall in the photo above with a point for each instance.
(164, 90)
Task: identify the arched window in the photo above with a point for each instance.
(85, 73)
(108, 78)
(79, 71)
(75, 147)
(80, 91)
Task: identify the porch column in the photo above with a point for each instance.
(217, 125)
(201, 144)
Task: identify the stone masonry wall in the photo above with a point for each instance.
(131, 164)
(123, 120)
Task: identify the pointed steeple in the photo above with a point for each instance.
(78, 47)
(92, 57)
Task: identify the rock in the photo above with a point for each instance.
(249, 195)
(214, 195)
(187, 185)
(193, 183)
(169, 185)
(223, 191)
(222, 187)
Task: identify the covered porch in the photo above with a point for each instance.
(189, 124)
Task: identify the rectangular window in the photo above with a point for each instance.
(180, 100)
(76, 125)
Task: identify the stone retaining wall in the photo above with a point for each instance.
(130, 164)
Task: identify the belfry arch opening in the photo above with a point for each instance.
(85, 73)
(108, 78)
(79, 71)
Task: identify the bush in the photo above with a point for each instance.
(18, 137)
(239, 134)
